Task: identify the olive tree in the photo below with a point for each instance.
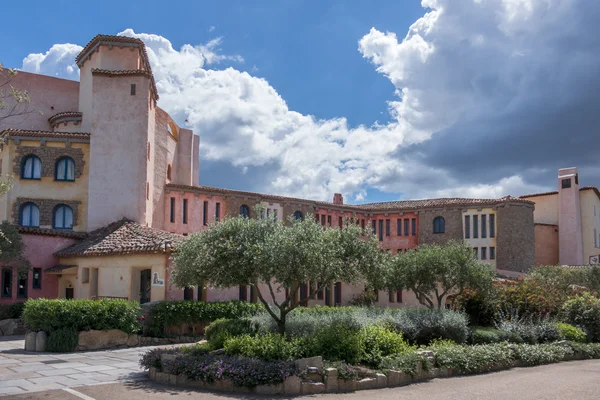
(13, 101)
(434, 272)
(12, 249)
(276, 257)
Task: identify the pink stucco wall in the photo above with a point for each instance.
(49, 96)
(39, 250)
(195, 209)
(570, 250)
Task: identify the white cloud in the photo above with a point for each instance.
(461, 61)
(58, 61)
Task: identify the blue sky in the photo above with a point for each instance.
(376, 99)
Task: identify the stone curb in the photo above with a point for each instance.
(293, 385)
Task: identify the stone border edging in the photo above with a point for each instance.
(331, 383)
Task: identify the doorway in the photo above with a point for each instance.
(145, 286)
(69, 293)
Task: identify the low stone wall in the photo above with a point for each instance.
(105, 340)
(322, 380)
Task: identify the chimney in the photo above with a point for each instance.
(570, 241)
(338, 199)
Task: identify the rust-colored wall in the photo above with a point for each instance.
(546, 244)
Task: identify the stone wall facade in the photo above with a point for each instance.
(516, 238)
(453, 222)
(46, 207)
(49, 156)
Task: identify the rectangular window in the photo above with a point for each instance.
(492, 253)
(317, 218)
(467, 227)
(205, 213)
(200, 292)
(37, 278)
(406, 222)
(328, 295)
(380, 229)
(329, 220)
(484, 226)
(132, 89)
(275, 214)
(399, 296)
(268, 212)
(492, 225)
(392, 296)
(337, 294)
(475, 226)
(476, 252)
(217, 211)
(414, 226)
(376, 295)
(399, 227)
(185, 211)
(22, 288)
(387, 227)
(172, 219)
(303, 291)
(320, 293)
(484, 253)
(85, 275)
(340, 222)
(566, 183)
(374, 224)
(7, 282)
(362, 223)
(323, 220)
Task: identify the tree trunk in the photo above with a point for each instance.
(281, 323)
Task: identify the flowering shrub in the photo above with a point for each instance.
(473, 358)
(589, 350)
(540, 354)
(406, 362)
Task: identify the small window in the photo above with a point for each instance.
(172, 216)
(30, 215)
(399, 296)
(298, 215)
(63, 217)
(439, 225)
(414, 226)
(37, 278)
(467, 227)
(392, 296)
(85, 275)
(492, 225)
(484, 253)
(244, 211)
(323, 220)
(65, 169)
(132, 89)
(362, 223)
(387, 227)
(303, 291)
(320, 294)
(399, 227)
(329, 220)
(217, 211)
(566, 183)
(205, 213)
(340, 222)
(484, 226)
(169, 172)
(374, 226)
(406, 231)
(7, 276)
(185, 210)
(31, 168)
(577, 179)
(243, 293)
(380, 229)
(22, 288)
(476, 252)
(475, 226)
(492, 253)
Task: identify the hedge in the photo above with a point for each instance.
(9, 311)
(81, 315)
(175, 313)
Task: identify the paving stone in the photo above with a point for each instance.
(27, 367)
(57, 372)
(19, 375)
(11, 390)
(95, 368)
(13, 382)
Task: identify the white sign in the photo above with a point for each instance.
(595, 260)
(156, 281)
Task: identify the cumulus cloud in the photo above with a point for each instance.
(59, 60)
(491, 98)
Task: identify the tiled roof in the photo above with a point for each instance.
(401, 205)
(59, 268)
(117, 72)
(595, 189)
(46, 134)
(51, 232)
(115, 40)
(122, 237)
(65, 114)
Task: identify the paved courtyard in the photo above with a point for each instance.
(22, 372)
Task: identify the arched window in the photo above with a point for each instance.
(244, 211)
(169, 172)
(31, 168)
(29, 215)
(439, 225)
(298, 215)
(63, 217)
(65, 169)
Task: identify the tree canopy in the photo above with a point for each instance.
(434, 272)
(13, 101)
(245, 251)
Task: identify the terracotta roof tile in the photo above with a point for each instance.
(115, 40)
(122, 237)
(401, 205)
(595, 189)
(59, 268)
(65, 114)
(46, 134)
(51, 232)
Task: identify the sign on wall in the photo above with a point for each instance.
(595, 260)
(156, 281)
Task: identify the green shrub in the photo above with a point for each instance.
(540, 354)
(267, 347)
(82, 315)
(379, 341)
(406, 362)
(222, 329)
(345, 371)
(571, 333)
(470, 359)
(175, 313)
(340, 341)
(532, 329)
(62, 340)
(487, 335)
(584, 312)
(421, 326)
(10, 311)
(588, 350)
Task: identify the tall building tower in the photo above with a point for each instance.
(570, 250)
